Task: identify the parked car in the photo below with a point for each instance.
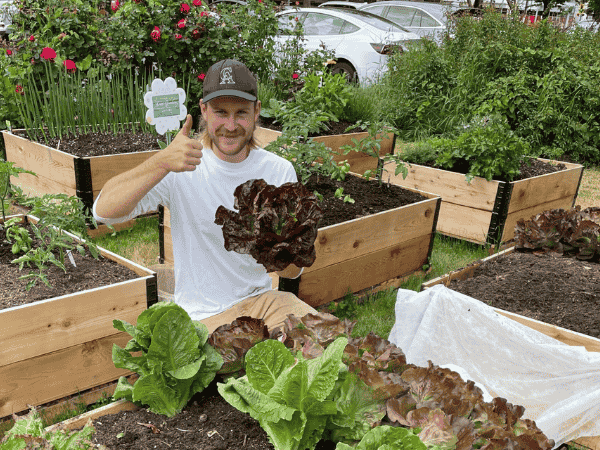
(342, 4)
(7, 9)
(424, 19)
(362, 41)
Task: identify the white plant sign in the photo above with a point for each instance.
(165, 103)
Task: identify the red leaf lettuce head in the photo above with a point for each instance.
(277, 226)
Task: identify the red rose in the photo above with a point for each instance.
(181, 23)
(31, 38)
(155, 34)
(69, 65)
(19, 89)
(178, 36)
(201, 76)
(197, 3)
(295, 76)
(185, 8)
(9, 52)
(203, 13)
(48, 54)
(114, 5)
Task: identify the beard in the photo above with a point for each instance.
(240, 132)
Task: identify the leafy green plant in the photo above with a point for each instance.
(289, 396)
(58, 214)
(371, 145)
(490, 148)
(176, 360)
(7, 170)
(385, 437)
(18, 236)
(28, 432)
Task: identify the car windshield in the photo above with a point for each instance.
(375, 21)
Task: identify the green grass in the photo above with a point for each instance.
(375, 312)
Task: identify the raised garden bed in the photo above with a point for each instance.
(359, 162)
(79, 166)
(60, 345)
(557, 296)
(374, 241)
(487, 211)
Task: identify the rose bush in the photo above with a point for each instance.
(177, 38)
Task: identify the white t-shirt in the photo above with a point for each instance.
(208, 278)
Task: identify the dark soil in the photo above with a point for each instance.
(369, 198)
(332, 127)
(557, 290)
(208, 422)
(89, 273)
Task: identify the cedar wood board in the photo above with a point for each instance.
(68, 347)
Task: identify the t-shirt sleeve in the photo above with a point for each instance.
(158, 195)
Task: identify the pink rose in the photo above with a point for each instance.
(9, 52)
(295, 76)
(155, 34)
(69, 65)
(181, 23)
(197, 3)
(114, 5)
(203, 13)
(48, 54)
(201, 76)
(19, 89)
(31, 38)
(185, 8)
(178, 36)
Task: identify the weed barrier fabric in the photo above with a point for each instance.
(558, 384)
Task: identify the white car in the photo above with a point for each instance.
(362, 41)
(7, 9)
(342, 4)
(424, 19)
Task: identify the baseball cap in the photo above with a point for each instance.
(229, 78)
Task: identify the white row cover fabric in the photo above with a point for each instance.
(558, 384)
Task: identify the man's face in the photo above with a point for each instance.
(230, 124)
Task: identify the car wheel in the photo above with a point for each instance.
(346, 69)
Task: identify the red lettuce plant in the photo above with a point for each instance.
(276, 225)
(570, 232)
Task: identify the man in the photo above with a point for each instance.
(192, 178)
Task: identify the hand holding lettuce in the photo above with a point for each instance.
(276, 225)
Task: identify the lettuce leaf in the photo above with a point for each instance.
(386, 438)
(289, 396)
(176, 360)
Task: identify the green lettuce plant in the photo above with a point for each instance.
(290, 396)
(7, 170)
(176, 360)
(385, 437)
(28, 432)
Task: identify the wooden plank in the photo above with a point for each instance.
(264, 136)
(103, 168)
(451, 186)
(55, 375)
(332, 282)
(356, 238)
(68, 320)
(552, 186)
(591, 442)
(80, 421)
(464, 222)
(40, 185)
(563, 335)
(168, 246)
(511, 220)
(45, 161)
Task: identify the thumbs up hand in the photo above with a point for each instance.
(182, 154)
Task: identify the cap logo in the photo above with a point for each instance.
(226, 75)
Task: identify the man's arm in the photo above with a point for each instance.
(122, 193)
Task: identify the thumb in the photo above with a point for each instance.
(187, 126)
